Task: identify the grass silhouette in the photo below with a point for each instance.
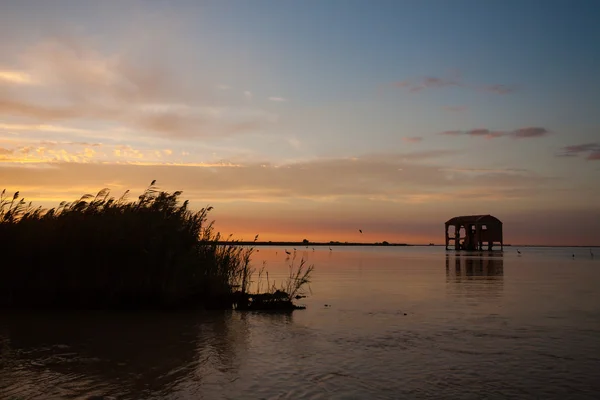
(105, 252)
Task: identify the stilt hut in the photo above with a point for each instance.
(472, 231)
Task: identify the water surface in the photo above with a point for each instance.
(381, 323)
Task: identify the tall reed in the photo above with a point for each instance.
(101, 251)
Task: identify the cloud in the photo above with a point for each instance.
(522, 133)
(413, 139)
(384, 176)
(43, 128)
(295, 143)
(248, 94)
(591, 151)
(531, 132)
(419, 84)
(277, 99)
(16, 77)
(498, 89)
(76, 82)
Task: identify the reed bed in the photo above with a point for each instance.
(105, 252)
(276, 297)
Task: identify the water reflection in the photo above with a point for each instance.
(475, 275)
(124, 355)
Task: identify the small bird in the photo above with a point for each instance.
(573, 255)
(360, 230)
(518, 251)
(313, 249)
(591, 254)
(330, 249)
(287, 252)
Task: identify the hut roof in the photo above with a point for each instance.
(472, 219)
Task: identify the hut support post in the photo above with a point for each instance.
(456, 237)
(446, 236)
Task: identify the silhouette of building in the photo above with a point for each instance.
(472, 231)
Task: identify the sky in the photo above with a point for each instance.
(312, 119)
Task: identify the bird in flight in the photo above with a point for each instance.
(360, 230)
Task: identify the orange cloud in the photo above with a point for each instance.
(119, 89)
(16, 77)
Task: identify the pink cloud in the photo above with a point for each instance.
(422, 83)
(499, 89)
(477, 132)
(530, 132)
(595, 156)
(402, 84)
(440, 82)
(522, 133)
(591, 149)
(414, 139)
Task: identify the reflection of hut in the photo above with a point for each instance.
(477, 277)
(478, 266)
(472, 231)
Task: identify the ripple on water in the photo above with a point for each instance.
(529, 331)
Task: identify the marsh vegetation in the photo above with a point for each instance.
(105, 252)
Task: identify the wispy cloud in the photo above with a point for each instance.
(530, 132)
(16, 77)
(43, 128)
(393, 175)
(77, 82)
(419, 84)
(522, 133)
(499, 89)
(412, 139)
(591, 151)
(277, 99)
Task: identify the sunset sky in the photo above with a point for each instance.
(312, 118)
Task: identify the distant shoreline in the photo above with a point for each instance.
(315, 244)
(377, 244)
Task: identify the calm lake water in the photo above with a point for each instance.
(401, 322)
